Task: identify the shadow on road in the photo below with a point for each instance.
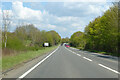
(101, 55)
(108, 57)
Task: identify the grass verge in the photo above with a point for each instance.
(11, 61)
(100, 52)
(105, 53)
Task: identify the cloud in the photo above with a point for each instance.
(51, 26)
(66, 18)
(25, 13)
(0, 14)
(40, 17)
(88, 8)
(0, 19)
(0, 11)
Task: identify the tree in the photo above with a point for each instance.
(65, 40)
(102, 33)
(6, 25)
(78, 40)
(56, 37)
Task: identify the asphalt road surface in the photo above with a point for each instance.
(73, 63)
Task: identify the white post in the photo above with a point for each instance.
(5, 44)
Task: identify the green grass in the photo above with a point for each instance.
(11, 61)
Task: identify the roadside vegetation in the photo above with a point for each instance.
(28, 38)
(9, 62)
(100, 35)
(25, 43)
(65, 40)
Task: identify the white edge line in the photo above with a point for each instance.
(109, 68)
(87, 59)
(26, 73)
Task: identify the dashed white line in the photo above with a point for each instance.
(109, 68)
(70, 51)
(87, 59)
(98, 64)
(78, 54)
(26, 73)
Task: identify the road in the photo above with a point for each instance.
(73, 63)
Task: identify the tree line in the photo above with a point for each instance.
(28, 37)
(101, 34)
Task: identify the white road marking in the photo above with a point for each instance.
(70, 51)
(73, 52)
(26, 73)
(98, 64)
(78, 54)
(109, 68)
(87, 59)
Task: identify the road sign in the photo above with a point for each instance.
(46, 44)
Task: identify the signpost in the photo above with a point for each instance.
(46, 44)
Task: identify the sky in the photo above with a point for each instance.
(63, 17)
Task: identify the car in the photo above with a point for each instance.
(61, 44)
(67, 45)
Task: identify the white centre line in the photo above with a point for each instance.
(78, 54)
(73, 52)
(70, 51)
(87, 59)
(98, 64)
(26, 73)
(109, 68)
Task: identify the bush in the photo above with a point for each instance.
(13, 42)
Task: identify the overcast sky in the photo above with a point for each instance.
(63, 17)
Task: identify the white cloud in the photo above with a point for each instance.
(65, 25)
(0, 14)
(88, 8)
(0, 11)
(28, 14)
(0, 19)
(75, 24)
(25, 13)
(68, 18)
(51, 26)
(63, 0)
(64, 29)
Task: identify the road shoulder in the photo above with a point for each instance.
(16, 72)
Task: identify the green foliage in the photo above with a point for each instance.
(28, 37)
(78, 40)
(37, 37)
(13, 42)
(101, 34)
(55, 37)
(65, 40)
